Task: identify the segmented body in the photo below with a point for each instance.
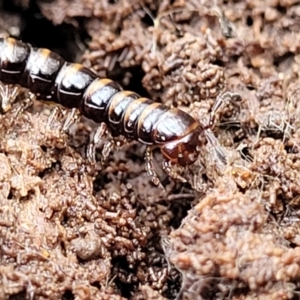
(72, 85)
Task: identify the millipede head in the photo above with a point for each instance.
(183, 151)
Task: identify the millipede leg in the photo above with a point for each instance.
(213, 142)
(106, 150)
(24, 105)
(100, 133)
(53, 115)
(119, 142)
(167, 167)
(233, 97)
(150, 168)
(9, 94)
(72, 118)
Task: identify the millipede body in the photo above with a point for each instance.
(50, 78)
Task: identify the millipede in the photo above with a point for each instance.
(123, 113)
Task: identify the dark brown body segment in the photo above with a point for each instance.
(172, 125)
(97, 97)
(131, 116)
(13, 58)
(40, 73)
(116, 110)
(72, 82)
(146, 122)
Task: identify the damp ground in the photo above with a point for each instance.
(70, 229)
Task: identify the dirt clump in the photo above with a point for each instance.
(222, 248)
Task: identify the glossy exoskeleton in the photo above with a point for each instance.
(50, 78)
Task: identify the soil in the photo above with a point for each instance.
(72, 229)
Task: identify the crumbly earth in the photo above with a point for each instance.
(70, 229)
